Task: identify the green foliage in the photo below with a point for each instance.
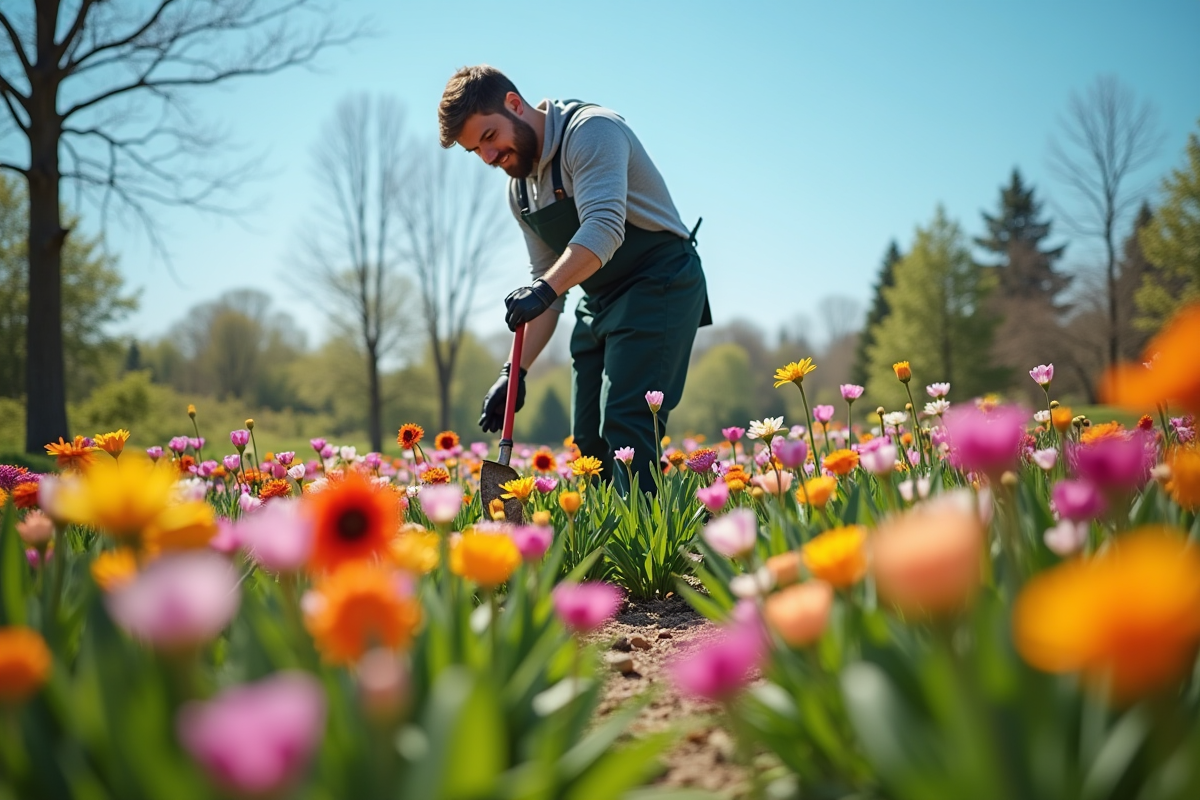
(92, 299)
(938, 320)
(876, 315)
(1172, 244)
(710, 401)
(1016, 235)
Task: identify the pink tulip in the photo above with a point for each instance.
(178, 601)
(733, 534)
(545, 484)
(988, 442)
(723, 666)
(791, 452)
(1042, 374)
(240, 438)
(178, 443)
(256, 739)
(623, 454)
(317, 444)
(878, 456)
(1114, 465)
(155, 452)
(851, 391)
(823, 414)
(532, 540)
(713, 497)
(441, 502)
(732, 434)
(277, 536)
(654, 400)
(226, 542)
(583, 607)
(774, 483)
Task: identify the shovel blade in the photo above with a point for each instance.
(491, 475)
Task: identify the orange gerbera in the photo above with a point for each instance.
(276, 487)
(113, 443)
(185, 464)
(1173, 375)
(360, 606)
(446, 440)
(72, 455)
(543, 461)
(410, 434)
(353, 520)
(1184, 484)
(25, 495)
(841, 462)
(435, 475)
(1102, 432)
(1125, 618)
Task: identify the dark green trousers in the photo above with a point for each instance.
(634, 339)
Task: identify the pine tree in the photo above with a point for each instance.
(879, 311)
(1172, 243)
(1015, 235)
(938, 320)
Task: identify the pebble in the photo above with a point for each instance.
(622, 644)
(620, 663)
(664, 634)
(639, 643)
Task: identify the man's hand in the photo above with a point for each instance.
(528, 303)
(492, 418)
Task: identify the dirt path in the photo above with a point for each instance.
(652, 634)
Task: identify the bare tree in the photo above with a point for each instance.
(841, 315)
(451, 216)
(98, 90)
(1108, 136)
(351, 249)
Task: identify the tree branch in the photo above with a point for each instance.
(16, 43)
(14, 168)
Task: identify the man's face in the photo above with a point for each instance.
(502, 140)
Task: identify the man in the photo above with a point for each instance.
(595, 213)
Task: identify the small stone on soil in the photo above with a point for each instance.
(664, 634)
(620, 663)
(622, 644)
(639, 643)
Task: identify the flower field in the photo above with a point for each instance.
(961, 598)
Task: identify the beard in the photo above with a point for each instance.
(524, 150)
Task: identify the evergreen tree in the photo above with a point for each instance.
(879, 311)
(1172, 243)
(1132, 272)
(1015, 235)
(938, 320)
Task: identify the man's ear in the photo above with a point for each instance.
(514, 103)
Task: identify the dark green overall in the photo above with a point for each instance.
(633, 332)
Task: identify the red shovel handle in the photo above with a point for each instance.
(514, 382)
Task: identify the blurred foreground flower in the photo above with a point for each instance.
(120, 499)
(1184, 484)
(1173, 375)
(1126, 618)
(985, 441)
(25, 663)
(77, 454)
(929, 558)
(720, 668)
(257, 738)
(583, 607)
(800, 612)
(178, 602)
(734, 534)
(488, 559)
(532, 541)
(838, 556)
(278, 536)
(360, 606)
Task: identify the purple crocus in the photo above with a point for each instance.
(178, 601)
(532, 541)
(240, 438)
(1078, 501)
(623, 454)
(654, 400)
(1042, 375)
(733, 433)
(987, 442)
(851, 392)
(256, 739)
(823, 414)
(583, 607)
(713, 497)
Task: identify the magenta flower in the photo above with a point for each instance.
(1117, 464)
(1042, 375)
(196, 443)
(823, 414)
(441, 502)
(328, 451)
(178, 443)
(226, 542)
(851, 392)
(155, 452)
(623, 454)
(532, 540)
(583, 607)
(1067, 537)
(936, 390)
(987, 442)
(723, 666)
(545, 484)
(878, 456)
(791, 452)
(317, 444)
(257, 738)
(277, 536)
(733, 534)
(702, 460)
(285, 458)
(232, 462)
(654, 400)
(479, 449)
(1078, 501)
(178, 601)
(240, 438)
(713, 497)
(733, 433)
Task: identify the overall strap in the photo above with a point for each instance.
(555, 165)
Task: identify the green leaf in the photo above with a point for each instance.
(14, 572)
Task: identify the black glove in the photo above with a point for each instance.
(528, 303)
(492, 418)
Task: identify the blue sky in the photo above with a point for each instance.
(808, 135)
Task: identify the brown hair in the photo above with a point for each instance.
(472, 90)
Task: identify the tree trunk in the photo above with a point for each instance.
(445, 373)
(1113, 330)
(375, 412)
(45, 380)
